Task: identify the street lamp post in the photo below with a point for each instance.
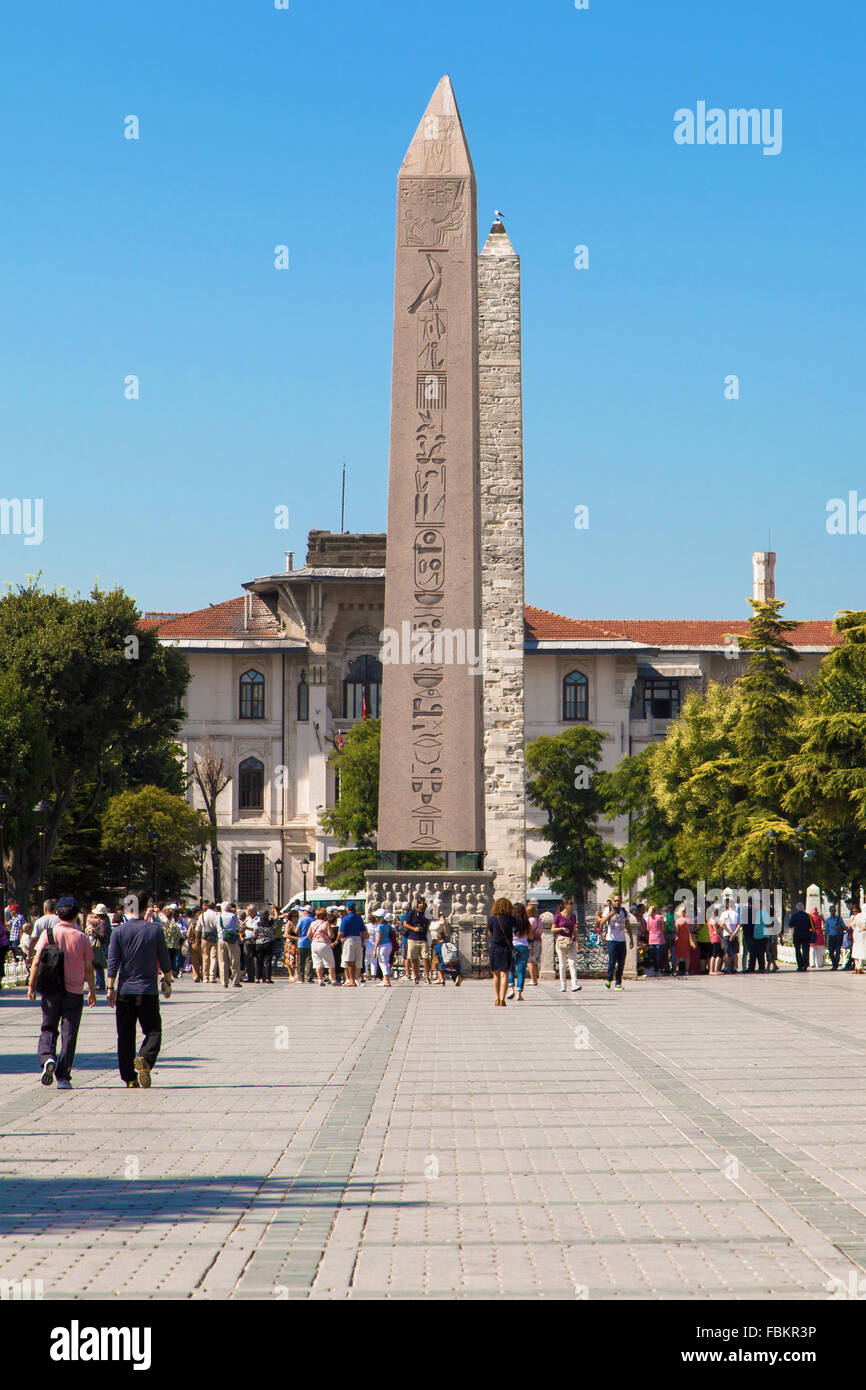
(772, 837)
(4, 806)
(153, 839)
(216, 857)
(201, 856)
(620, 864)
(305, 865)
(40, 810)
(278, 865)
(129, 832)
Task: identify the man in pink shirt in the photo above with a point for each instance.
(61, 1011)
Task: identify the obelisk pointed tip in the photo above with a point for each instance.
(440, 146)
(498, 242)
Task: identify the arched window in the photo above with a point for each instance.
(303, 699)
(252, 785)
(575, 697)
(362, 688)
(252, 692)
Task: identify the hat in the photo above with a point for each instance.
(100, 910)
(170, 907)
(380, 912)
(389, 917)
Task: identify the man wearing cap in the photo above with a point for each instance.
(350, 934)
(61, 1012)
(137, 955)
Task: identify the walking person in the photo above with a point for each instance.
(264, 947)
(565, 943)
(209, 922)
(62, 990)
(374, 920)
(858, 948)
(386, 944)
(801, 925)
(350, 936)
(500, 930)
(520, 951)
(248, 943)
(49, 918)
(536, 937)
(305, 947)
(96, 931)
(194, 943)
(835, 929)
(446, 956)
(322, 947)
(137, 955)
(816, 940)
(617, 927)
(229, 946)
(655, 924)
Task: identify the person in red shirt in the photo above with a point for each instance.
(61, 1012)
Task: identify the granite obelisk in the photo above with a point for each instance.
(432, 764)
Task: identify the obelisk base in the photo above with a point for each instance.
(464, 896)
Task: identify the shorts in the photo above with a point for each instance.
(352, 954)
(715, 949)
(323, 956)
(704, 949)
(413, 950)
(535, 952)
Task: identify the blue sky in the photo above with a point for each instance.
(261, 127)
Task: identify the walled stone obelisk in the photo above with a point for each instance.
(432, 765)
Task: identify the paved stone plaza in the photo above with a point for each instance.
(701, 1139)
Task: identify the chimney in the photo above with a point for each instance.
(763, 575)
(290, 560)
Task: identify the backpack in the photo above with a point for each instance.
(229, 933)
(448, 952)
(50, 975)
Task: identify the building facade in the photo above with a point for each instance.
(282, 671)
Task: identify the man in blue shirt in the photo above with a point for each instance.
(351, 934)
(835, 930)
(137, 954)
(305, 948)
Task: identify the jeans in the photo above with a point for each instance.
(616, 952)
(801, 951)
(99, 976)
(305, 964)
(834, 948)
(60, 1013)
(519, 962)
(132, 1009)
(656, 958)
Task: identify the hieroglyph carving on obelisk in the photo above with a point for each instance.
(431, 769)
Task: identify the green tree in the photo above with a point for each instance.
(650, 850)
(354, 819)
(181, 830)
(561, 782)
(107, 696)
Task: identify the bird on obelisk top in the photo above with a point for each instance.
(432, 288)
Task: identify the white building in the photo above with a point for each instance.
(279, 672)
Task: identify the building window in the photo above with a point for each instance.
(252, 701)
(661, 699)
(362, 688)
(575, 697)
(251, 878)
(303, 699)
(252, 785)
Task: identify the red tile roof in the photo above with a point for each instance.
(217, 620)
(667, 632)
(227, 620)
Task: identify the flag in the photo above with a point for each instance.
(339, 739)
(363, 704)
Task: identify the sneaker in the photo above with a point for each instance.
(510, 994)
(143, 1072)
(48, 1072)
(617, 986)
(64, 1085)
(607, 984)
(322, 983)
(574, 988)
(562, 989)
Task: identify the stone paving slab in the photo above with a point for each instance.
(699, 1139)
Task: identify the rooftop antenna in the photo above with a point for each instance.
(343, 504)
